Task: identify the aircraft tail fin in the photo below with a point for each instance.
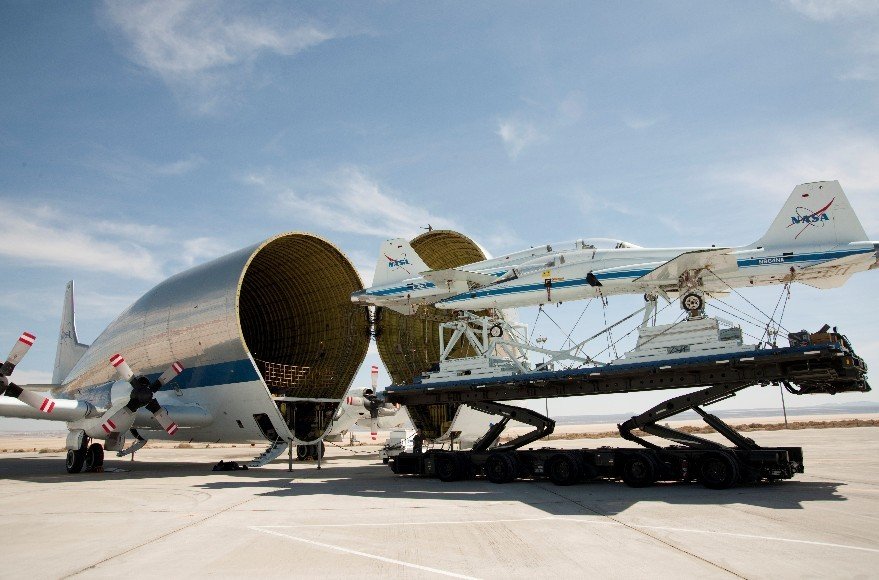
(815, 213)
(397, 261)
(70, 350)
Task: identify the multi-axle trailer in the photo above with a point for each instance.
(820, 363)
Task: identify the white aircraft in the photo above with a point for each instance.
(816, 239)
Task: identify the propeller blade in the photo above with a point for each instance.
(37, 401)
(374, 433)
(123, 371)
(24, 343)
(374, 374)
(160, 414)
(175, 369)
(119, 421)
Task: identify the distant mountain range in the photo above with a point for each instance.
(849, 408)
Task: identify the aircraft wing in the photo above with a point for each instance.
(446, 277)
(718, 260)
(833, 273)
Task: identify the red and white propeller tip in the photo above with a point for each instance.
(123, 371)
(22, 345)
(175, 369)
(143, 391)
(162, 417)
(374, 374)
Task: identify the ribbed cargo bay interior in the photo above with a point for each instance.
(298, 320)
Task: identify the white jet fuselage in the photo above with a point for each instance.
(815, 239)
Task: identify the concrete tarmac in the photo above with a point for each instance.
(168, 515)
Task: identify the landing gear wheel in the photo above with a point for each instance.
(448, 468)
(639, 471)
(75, 460)
(563, 470)
(693, 303)
(500, 468)
(94, 457)
(718, 471)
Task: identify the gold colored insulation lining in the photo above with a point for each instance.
(295, 310)
(409, 345)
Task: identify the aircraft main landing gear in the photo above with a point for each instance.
(87, 457)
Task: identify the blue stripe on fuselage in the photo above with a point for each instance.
(638, 272)
(238, 371)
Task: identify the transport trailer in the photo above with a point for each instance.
(714, 468)
(714, 465)
(815, 364)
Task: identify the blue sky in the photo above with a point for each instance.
(140, 138)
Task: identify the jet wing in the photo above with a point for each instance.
(443, 278)
(718, 260)
(833, 273)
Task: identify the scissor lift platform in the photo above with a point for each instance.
(830, 367)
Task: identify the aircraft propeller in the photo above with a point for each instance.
(38, 402)
(374, 404)
(142, 395)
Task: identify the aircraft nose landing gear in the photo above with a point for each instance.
(693, 303)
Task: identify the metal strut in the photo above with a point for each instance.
(648, 420)
(543, 425)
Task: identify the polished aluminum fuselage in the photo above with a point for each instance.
(191, 317)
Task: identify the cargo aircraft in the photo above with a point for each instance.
(258, 345)
(816, 239)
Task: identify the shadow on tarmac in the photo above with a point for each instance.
(373, 480)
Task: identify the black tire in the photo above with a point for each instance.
(562, 469)
(302, 452)
(448, 468)
(500, 468)
(692, 303)
(75, 460)
(639, 470)
(386, 460)
(94, 457)
(718, 471)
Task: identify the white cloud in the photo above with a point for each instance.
(198, 250)
(638, 123)
(516, 135)
(823, 10)
(194, 45)
(349, 201)
(815, 154)
(860, 19)
(133, 169)
(45, 237)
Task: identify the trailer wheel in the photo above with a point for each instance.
(718, 471)
(500, 468)
(302, 452)
(562, 469)
(448, 468)
(639, 470)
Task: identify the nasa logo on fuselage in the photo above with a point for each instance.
(775, 260)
